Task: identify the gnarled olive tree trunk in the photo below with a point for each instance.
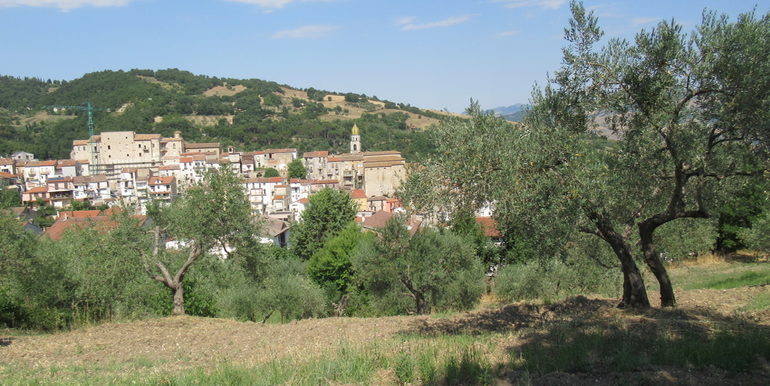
(634, 292)
(158, 271)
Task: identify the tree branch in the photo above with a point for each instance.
(195, 252)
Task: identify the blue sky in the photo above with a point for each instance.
(433, 54)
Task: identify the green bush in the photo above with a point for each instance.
(282, 289)
(430, 270)
(685, 238)
(758, 236)
(553, 279)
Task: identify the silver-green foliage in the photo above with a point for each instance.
(688, 116)
(758, 236)
(428, 270)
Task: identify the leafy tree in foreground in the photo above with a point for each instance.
(691, 110)
(434, 269)
(691, 121)
(297, 169)
(9, 197)
(328, 212)
(331, 265)
(212, 214)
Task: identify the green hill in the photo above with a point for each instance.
(247, 113)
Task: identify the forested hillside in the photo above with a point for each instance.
(248, 113)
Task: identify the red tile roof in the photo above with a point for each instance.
(193, 145)
(145, 137)
(358, 194)
(289, 150)
(273, 180)
(41, 163)
(79, 213)
(100, 223)
(489, 226)
(324, 182)
(379, 219)
(161, 180)
(66, 162)
(310, 154)
(39, 189)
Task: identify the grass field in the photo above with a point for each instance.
(720, 334)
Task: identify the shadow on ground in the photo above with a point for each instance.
(582, 340)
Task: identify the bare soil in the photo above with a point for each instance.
(224, 90)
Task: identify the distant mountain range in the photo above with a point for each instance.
(513, 113)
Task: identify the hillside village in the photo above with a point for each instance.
(130, 170)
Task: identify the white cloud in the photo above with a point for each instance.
(274, 4)
(637, 21)
(405, 20)
(409, 25)
(544, 4)
(508, 33)
(608, 10)
(305, 32)
(64, 5)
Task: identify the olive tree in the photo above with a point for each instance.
(212, 214)
(688, 114)
(431, 268)
(690, 110)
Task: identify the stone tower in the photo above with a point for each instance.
(355, 140)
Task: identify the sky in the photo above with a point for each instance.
(431, 54)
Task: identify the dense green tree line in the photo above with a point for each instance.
(260, 117)
(122, 269)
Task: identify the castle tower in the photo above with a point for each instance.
(355, 140)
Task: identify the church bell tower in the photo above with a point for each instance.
(355, 140)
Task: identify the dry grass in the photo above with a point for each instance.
(153, 80)
(355, 112)
(176, 343)
(510, 344)
(225, 90)
(208, 120)
(43, 116)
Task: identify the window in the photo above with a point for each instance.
(108, 147)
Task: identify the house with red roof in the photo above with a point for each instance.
(162, 188)
(35, 195)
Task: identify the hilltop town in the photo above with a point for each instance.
(129, 170)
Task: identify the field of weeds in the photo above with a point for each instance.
(720, 334)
